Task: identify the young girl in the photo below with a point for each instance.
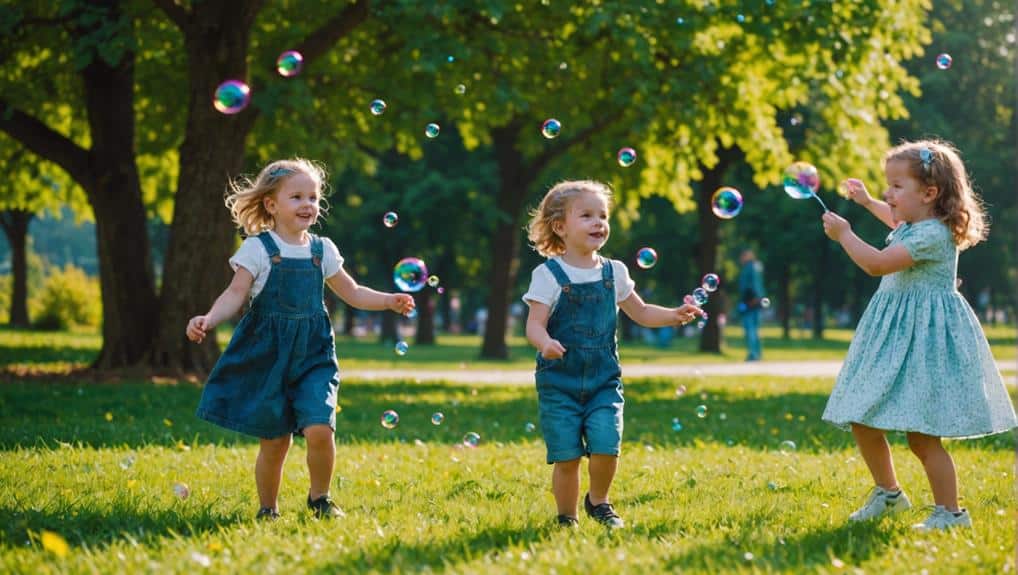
(574, 299)
(278, 376)
(919, 361)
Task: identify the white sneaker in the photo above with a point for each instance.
(881, 502)
(941, 518)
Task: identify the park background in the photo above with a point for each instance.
(112, 206)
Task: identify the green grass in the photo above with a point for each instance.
(697, 500)
(61, 351)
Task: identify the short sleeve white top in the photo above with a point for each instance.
(252, 256)
(545, 289)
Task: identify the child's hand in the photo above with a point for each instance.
(686, 312)
(401, 303)
(552, 349)
(857, 191)
(197, 328)
(835, 225)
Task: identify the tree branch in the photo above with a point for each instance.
(47, 143)
(325, 37)
(175, 12)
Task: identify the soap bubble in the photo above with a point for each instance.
(529, 427)
(710, 282)
(389, 419)
(432, 130)
(765, 302)
(390, 219)
(401, 348)
(461, 89)
(550, 128)
(801, 180)
(676, 424)
(437, 418)
(626, 157)
(377, 107)
(944, 61)
(787, 446)
(289, 63)
(471, 439)
(701, 411)
(700, 296)
(410, 274)
(232, 96)
(726, 203)
(646, 258)
(680, 391)
(433, 281)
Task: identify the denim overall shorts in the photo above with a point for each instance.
(580, 394)
(279, 373)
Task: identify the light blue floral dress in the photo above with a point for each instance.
(919, 360)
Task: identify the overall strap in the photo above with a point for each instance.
(607, 269)
(270, 246)
(317, 250)
(558, 272)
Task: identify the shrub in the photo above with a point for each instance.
(69, 298)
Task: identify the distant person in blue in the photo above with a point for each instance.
(751, 293)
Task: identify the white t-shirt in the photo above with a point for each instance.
(545, 289)
(253, 257)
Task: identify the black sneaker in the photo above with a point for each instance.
(324, 508)
(603, 513)
(267, 514)
(567, 521)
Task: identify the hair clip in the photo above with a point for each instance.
(280, 171)
(926, 157)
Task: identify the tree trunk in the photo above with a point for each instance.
(514, 181)
(202, 236)
(786, 301)
(713, 178)
(15, 225)
(425, 317)
(818, 290)
(125, 264)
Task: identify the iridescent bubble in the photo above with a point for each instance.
(461, 89)
(390, 219)
(529, 427)
(646, 258)
(550, 128)
(726, 203)
(232, 96)
(410, 274)
(700, 296)
(437, 418)
(289, 63)
(688, 300)
(944, 61)
(377, 107)
(740, 18)
(627, 157)
(710, 282)
(440, 290)
(471, 439)
(450, 59)
(676, 424)
(401, 348)
(181, 490)
(796, 119)
(845, 187)
(389, 419)
(431, 130)
(680, 391)
(411, 314)
(701, 323)
(701, 411)
(787, 446)
(765, 302)
(801, 180)
(433, 281)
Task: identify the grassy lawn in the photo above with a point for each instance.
(60, 351)
(96, 464)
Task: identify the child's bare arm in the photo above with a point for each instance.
(650, 315)
(537, 331)
(872, 261)
(226, 306)
(857, 192)
(362, 297)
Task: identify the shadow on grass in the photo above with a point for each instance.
(34, 414)
(88, 527)
(852, 543)
(397, 557)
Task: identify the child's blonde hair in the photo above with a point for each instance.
(540, 229)
(246, 197)
(937, 163)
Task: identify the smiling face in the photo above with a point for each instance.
(295, 206)
(910, 200)
(585, 228)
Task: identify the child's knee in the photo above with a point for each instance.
(569, 466)
(276, 445)
(923, 445)
(318, 435)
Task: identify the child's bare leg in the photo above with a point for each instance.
(321, 458)
(269, 469)
(565, 485)
(877, 454)
(602, 470)
(939, 468)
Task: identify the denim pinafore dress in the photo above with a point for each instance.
(279, 373)
(580, 395)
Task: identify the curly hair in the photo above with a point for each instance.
(245, 198)
(937, 163)
(552, 209)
